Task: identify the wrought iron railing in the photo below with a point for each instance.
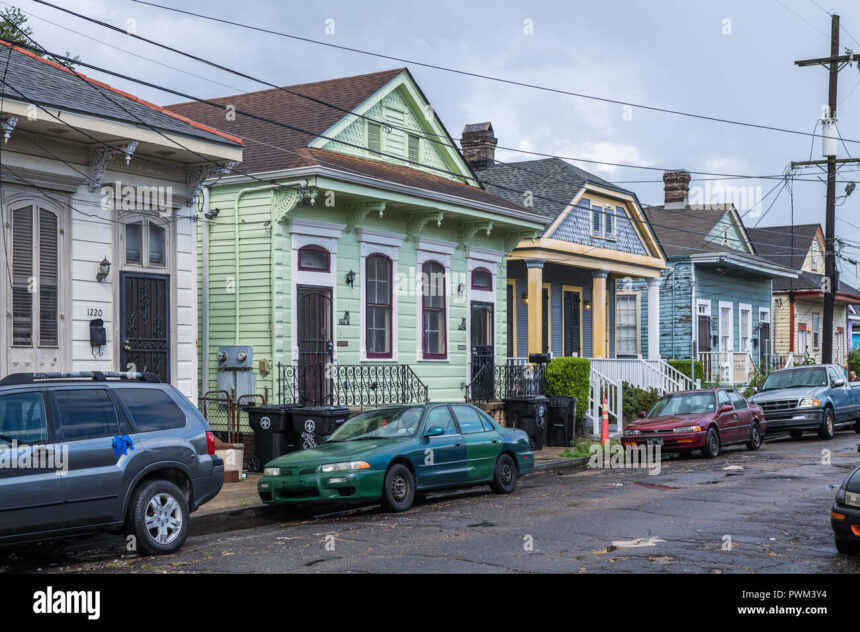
(506, 380)
(367, 385)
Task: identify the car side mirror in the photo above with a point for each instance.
(726, 408)
(434, 431)
(642, 415)
(838, 383)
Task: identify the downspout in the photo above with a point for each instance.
(693, 318)
(205, 291)
(239, 194)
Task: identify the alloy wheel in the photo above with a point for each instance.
(163, 518)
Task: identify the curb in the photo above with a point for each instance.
(257, 515)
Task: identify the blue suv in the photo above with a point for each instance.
(94, 451)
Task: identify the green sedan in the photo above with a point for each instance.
(390, 454)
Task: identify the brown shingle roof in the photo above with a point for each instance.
(682, 231)
(775, 243)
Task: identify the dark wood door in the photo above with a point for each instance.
(483, 350)
(316, 345)
(704, 333)
(571, 324)
(764, 340)
(512, 314)
(145, 323)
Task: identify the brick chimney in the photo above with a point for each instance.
(676, 188)
(479, 145)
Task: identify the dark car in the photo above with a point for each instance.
(845, 515)
(389, 455)
(91, 451)
(705, 420)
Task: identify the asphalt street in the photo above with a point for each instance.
(763, 512)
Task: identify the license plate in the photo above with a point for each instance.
(657, 441)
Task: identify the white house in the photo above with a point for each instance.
(98, 192)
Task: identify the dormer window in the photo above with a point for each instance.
(603, 222)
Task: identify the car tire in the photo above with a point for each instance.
(796, 434)
(857, 426)
(398, 490)
(158, 518)
(505, 475)
(845, 547)
(755, 438)
(825, 430)
(711, 449)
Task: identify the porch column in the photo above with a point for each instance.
(598, 313)
(654, 318)
(535, 272)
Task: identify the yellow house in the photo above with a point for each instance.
(798, 304)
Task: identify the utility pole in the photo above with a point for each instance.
(834, 64)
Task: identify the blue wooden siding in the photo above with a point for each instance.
(576, 228)
(675, 311)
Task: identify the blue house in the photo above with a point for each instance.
(715, 298)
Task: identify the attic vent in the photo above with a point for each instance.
(374, 137)
(413, 148)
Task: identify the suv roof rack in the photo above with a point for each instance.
(15, 379)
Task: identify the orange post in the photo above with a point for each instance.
(604, 430)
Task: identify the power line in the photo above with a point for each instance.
(426, 65)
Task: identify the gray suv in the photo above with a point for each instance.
(93, 451)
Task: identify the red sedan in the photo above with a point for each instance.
(703, 420)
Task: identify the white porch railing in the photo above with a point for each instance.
(726, 367)
(600, 385)
(647, 374)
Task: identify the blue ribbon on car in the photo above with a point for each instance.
(121, 445)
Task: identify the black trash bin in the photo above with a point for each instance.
(313, 423)
(273, 433)
(561, 417)
(529, 414)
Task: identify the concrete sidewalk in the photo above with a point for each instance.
(238, 505)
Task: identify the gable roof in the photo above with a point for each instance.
(555, 182)
(775, 243)
(809, 281)
(33, 79)
(271, 148)
(682, 231)
(315, 118)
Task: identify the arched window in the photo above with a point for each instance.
(482, 280)
(314, 259)
(434, 317)
(378, 323)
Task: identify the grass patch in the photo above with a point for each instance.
(582, 447)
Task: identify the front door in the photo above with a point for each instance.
(145, 323)
(764, 341)
(571, 324)
(316, 345)
(482, 351)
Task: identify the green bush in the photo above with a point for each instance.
(569, 377)
(637, 399)
(854, 361)
(684, 367)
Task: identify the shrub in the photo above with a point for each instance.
(569, 377)
(637, 399)
(684, 367)
(854, 360)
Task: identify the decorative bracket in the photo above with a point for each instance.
(102, 155)
(359, 210)
(417, 222)
(467, 231)
(512, 240)
(286, 200)
(8, 125)
(196, 176)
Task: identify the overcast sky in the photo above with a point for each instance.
(730, 59)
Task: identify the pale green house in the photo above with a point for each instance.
(361, 260)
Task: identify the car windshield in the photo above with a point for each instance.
(684, 404)
(380, 424)
(795, 378)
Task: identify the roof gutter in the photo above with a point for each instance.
(743, 262)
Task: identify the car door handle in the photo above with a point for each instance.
(457, 445)
(495, 440)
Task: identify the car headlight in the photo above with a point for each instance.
(809, 402)
(347, 465)
(272, 471)
(848, 498)
(628, 433)
(688, 429)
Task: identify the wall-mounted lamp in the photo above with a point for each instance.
(525, 298)
(462, 326)
(104, 270)
(587, 306)
(345, 319)
(350, 278)
(211, 214)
